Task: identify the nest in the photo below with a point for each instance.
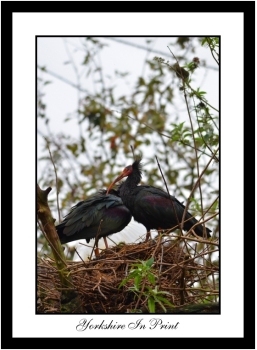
(183, 270)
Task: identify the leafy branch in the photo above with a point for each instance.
(145, 286)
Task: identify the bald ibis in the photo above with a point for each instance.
(151, 206)
(100, 215)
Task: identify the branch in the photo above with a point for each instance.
(211, 308)
(47, 221)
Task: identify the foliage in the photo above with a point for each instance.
(145, 285)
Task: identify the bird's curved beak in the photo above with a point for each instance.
(124, 173)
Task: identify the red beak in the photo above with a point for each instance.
(124, 173)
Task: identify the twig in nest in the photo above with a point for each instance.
(101, 293)
(160, 269)
(98, 283)
(80, 257)
(112, 240)
(96, 241)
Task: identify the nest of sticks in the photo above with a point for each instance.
(182, 268)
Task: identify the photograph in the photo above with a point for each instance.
(128, 175)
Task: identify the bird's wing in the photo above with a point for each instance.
(167, 211)
(158, 207)
(158, 204)
(88, 213)
(150, 190)
(158, 197)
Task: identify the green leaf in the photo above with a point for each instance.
(165, 301)
(137, 281)
(151, 278)
(151, 305)
(150, 262)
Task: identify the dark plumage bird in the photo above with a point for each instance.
(151, 206)
(100, 215)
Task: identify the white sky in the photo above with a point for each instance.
(61, 98)
(25, 27)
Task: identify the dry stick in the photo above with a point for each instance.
(182, 281)
(174, 209)
(160, 269)
(209, 218)
(194, 187)
(157, 246)
(80, 257)
(162, 175)
(200, 278)
(190, 259)
(112, 240)
(186, 237)
(197, 272)
(101, 293)
(212, 119)
(209, 208)
(212, 50)
(196, 157)
(206, 144)
(205, 259)
(56, 179)
(192, 129)
(96, 239)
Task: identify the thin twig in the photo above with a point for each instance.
(174, 208)
(80, 257)
(96, 239)
(195, 185)
(195, 148)
(217, 160)
(162, 175)
(101, 293)
(56, 179)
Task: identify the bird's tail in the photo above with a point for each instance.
(63, 238)
(198, 229)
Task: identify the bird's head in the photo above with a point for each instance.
(133, 169)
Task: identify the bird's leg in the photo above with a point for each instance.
(97, 251)
(96, 248)
(105, 242)
(148, 234)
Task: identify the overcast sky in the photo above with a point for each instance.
(61, 98)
